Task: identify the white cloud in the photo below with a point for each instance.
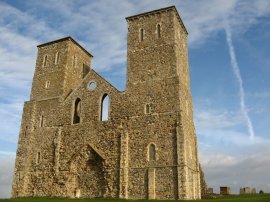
(15, 68)
(222, 138)
(227, 156)
(260, 94)
(25, 23)
(101, 28)
(101, 31)
(10, 123)
(239, 170)
(213, 119)
(237, 73)
(214, 160)
(221, 127)
(206, 18)
(6, 174)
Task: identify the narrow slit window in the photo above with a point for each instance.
(56, 59)
(41, 120)
(47, 84)
(19, 176)
(74, 61)
(25, 131)
(141, 34)
(105, 106)
(158, 31)
(147, 109)
(152, 152)
(77, 111)
(45, 61)
(38, 158)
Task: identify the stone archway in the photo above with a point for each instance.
(87, 169)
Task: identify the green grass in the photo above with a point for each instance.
(238, 198)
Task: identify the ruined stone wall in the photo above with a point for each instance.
(34, 144)
(155, 64)
(147, 58)
(151, 75)
(160, 131)
(47, 70)
(146, 149)
(103, 136)
(76, 60)
(59, 69)
(189, 140)
(22, 157)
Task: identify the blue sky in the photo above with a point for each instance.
(228, 43)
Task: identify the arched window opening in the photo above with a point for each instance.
(47, 84)
(141, 34)
(38, 158)
(41, 120)
(105, 104)
(56, 58)
(147, 109)
(152, 152)
(158, 31)
(74, 61)
(77, 111)
(45, 61)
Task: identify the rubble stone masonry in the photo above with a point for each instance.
(147, 149)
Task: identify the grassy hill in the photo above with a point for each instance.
(238, 198)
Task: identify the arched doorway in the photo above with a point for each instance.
(88, 171)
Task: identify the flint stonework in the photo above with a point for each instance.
(147, 149)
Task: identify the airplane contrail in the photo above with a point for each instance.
(238, 76)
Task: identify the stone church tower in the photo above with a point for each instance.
(141, 145)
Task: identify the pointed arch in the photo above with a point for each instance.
(105, 107)
(88, 162)
(77, 111)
